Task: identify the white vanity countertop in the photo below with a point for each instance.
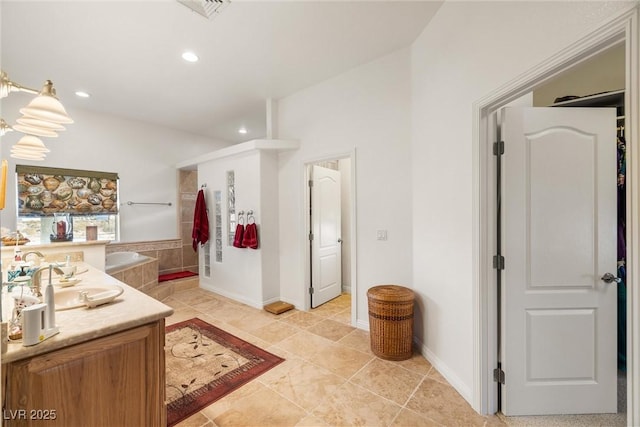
(132, 308)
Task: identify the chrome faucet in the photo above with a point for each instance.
(36, 278)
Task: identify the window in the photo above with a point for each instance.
(39, 229)
(58, 204)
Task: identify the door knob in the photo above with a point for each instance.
(608, 278)
(339, 240)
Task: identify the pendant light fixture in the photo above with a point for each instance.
(29, 148)
(47, 107)
(43, 116)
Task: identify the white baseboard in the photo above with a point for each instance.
(240, 298)
(437, 363)
(361, 324)
(232, 295)
(446, 372)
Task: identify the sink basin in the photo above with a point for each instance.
(67, 299)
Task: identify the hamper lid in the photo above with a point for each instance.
(390, 293)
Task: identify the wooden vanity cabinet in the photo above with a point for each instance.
(116, 380)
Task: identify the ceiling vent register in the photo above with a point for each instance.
(206, 8)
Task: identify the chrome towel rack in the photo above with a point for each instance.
(149, 203)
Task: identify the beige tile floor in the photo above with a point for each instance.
(329, 377)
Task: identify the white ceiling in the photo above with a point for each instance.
(126, 54)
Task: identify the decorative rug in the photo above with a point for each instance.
(205, 363)
(174, 276)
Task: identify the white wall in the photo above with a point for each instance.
(268, 227)
(468, 50)
(143, 155)
(239, 275)
(366, 109)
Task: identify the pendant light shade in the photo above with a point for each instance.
(29, 148)
(33, 130)
(26, 156)
(47, 107)
(33, 122)
(32, 143)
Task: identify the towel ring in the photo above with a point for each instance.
(250, 217)
(241, 217)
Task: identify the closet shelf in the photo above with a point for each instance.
(606, 99)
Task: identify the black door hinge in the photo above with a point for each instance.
(498, 375)
(498, 262)
(498, 148)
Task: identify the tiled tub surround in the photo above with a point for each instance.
(143, 277)
(117, 261)
(171, 254)
(169, 257)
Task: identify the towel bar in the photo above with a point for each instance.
(149, 203)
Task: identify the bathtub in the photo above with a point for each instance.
(117, 261)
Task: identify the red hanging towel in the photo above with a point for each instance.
(200, 233)
(250, 239)
(237, 240)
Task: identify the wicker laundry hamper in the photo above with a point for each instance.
(391, 321)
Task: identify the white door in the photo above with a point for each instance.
(559, 239)
(326, 251)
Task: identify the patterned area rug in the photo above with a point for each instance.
(204, 363)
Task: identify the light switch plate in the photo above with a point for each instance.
(381, 234)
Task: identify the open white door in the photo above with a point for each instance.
(559, 239)
(326, 250)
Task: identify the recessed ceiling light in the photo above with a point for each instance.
(190, 57)
(82, 94)
(243, 130)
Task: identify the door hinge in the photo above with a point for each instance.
(498, 262)
(310, 236)
(310, 183)
(311, 291)
(498, 375)
(498, 148)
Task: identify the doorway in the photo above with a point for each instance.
(621, 29)
(558, 237)
(342, 166)
(581, 97)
